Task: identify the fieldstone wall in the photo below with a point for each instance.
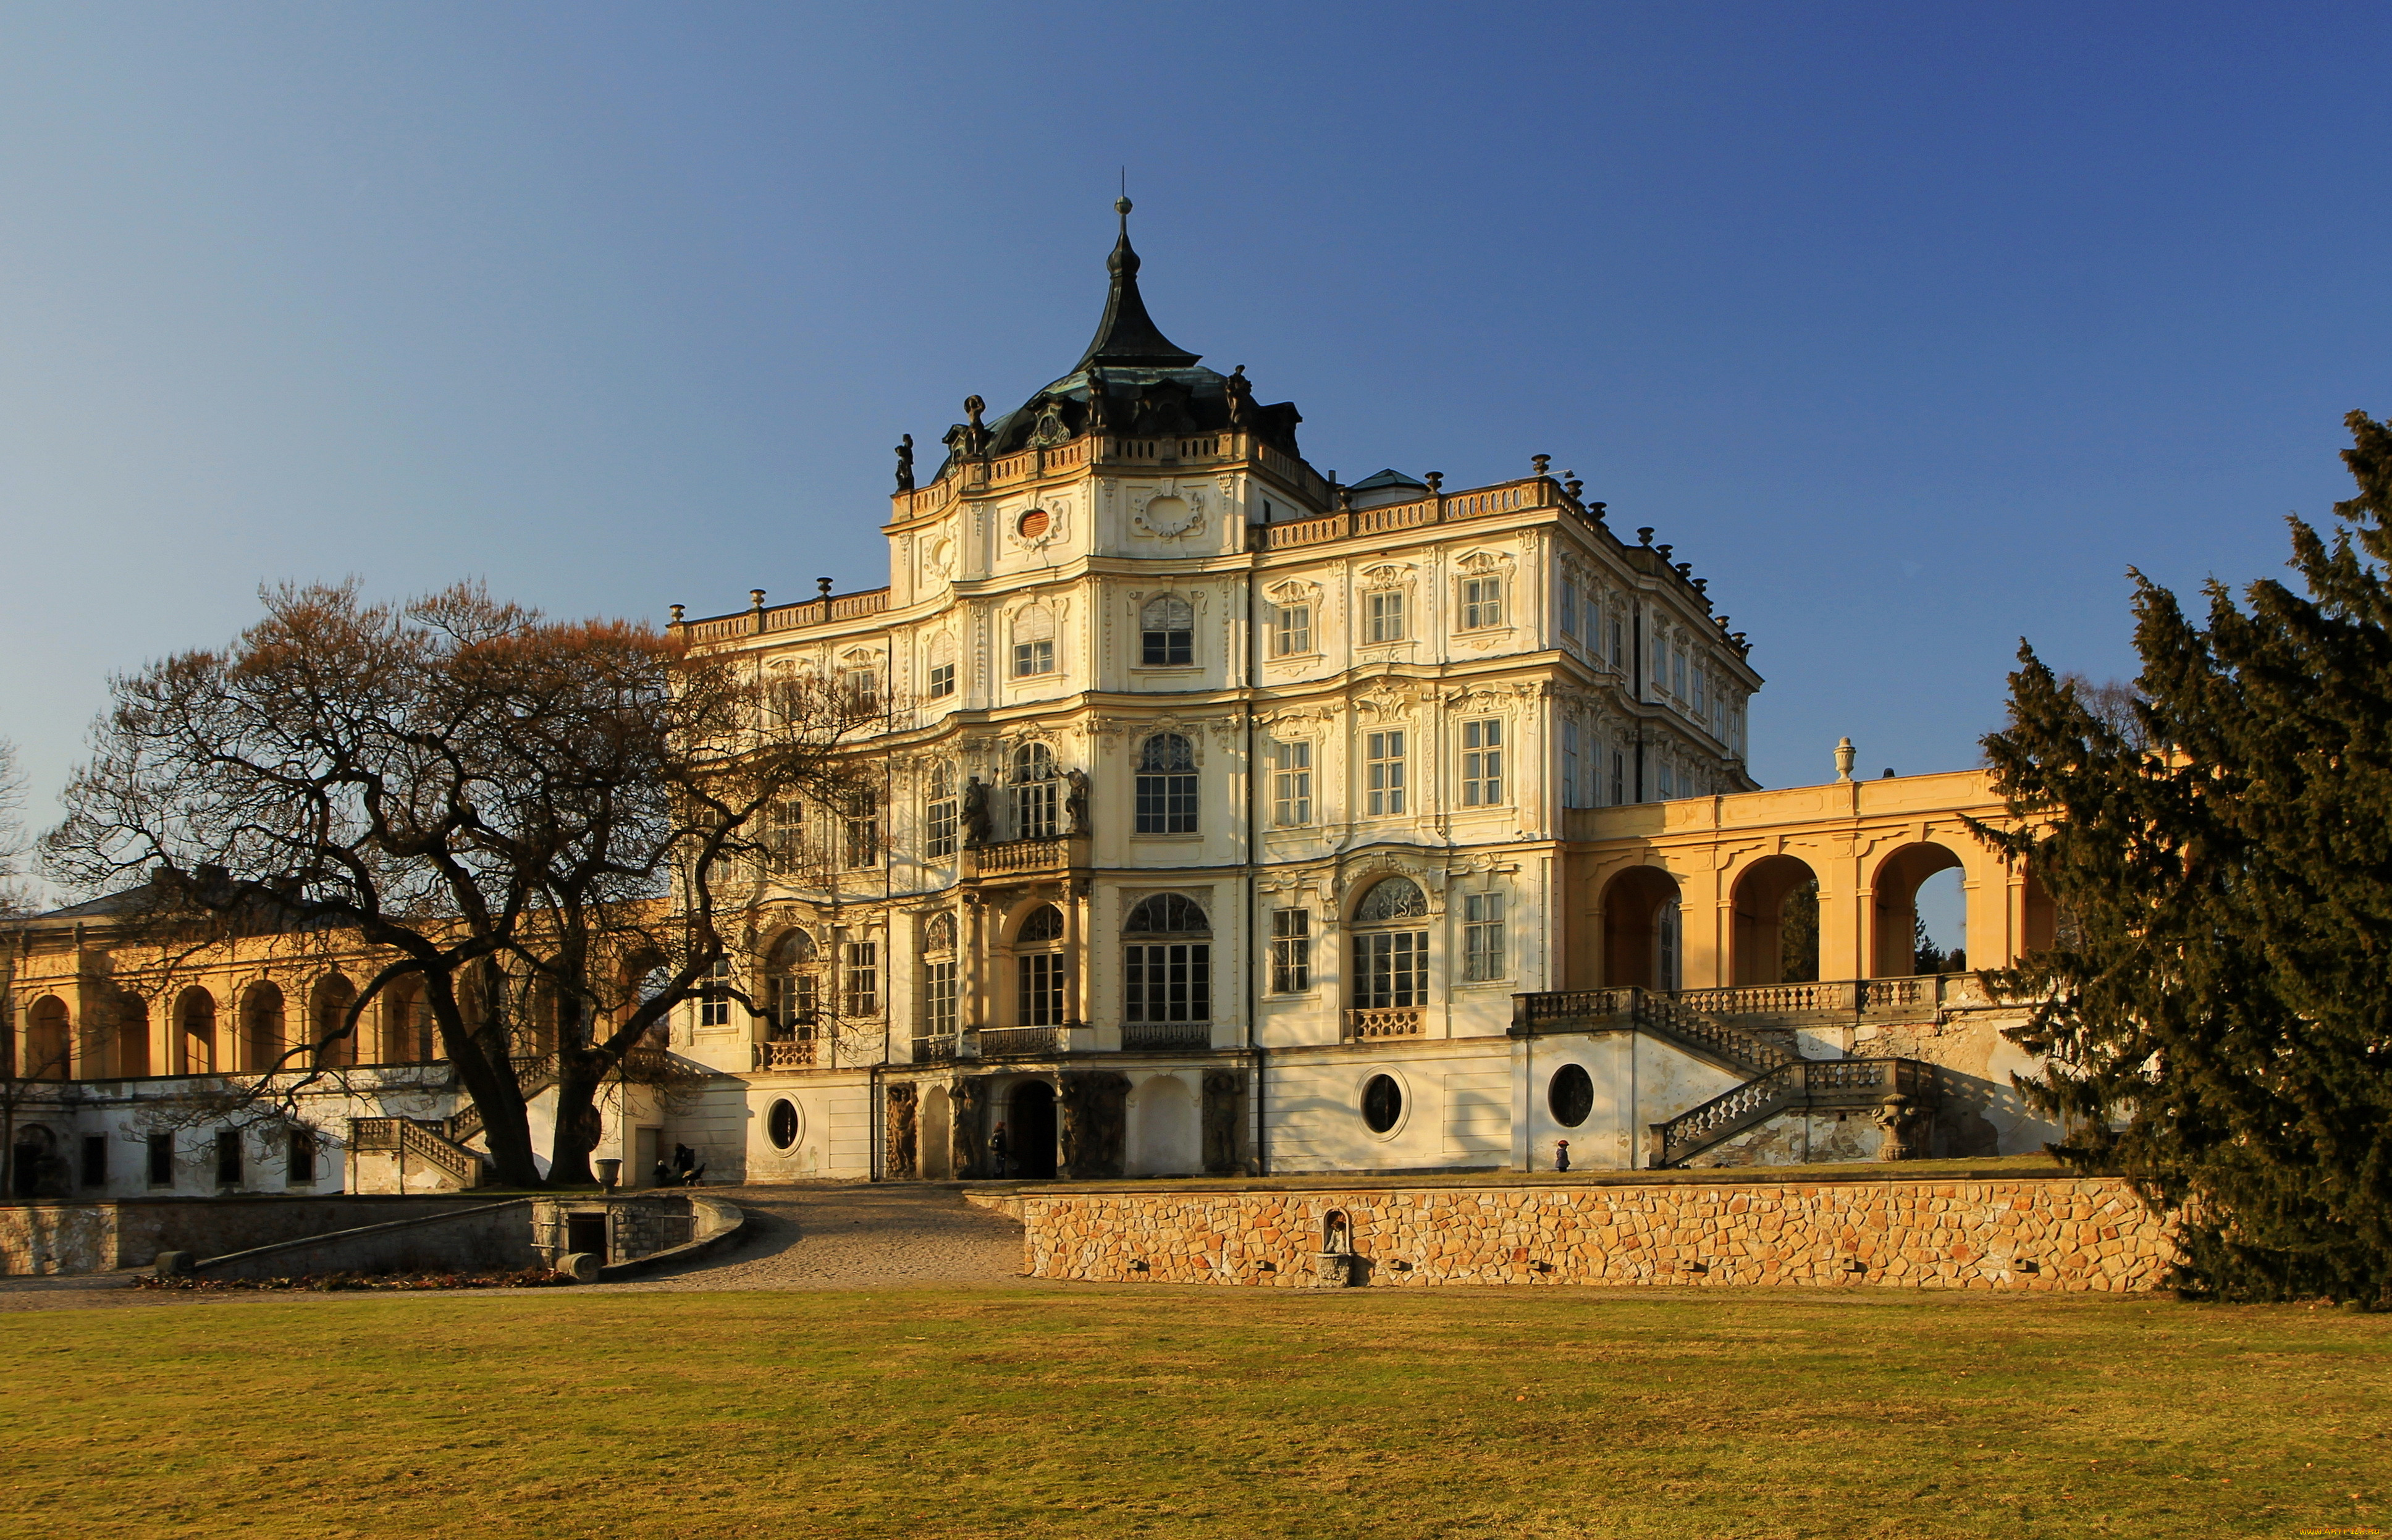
(2026, 1233)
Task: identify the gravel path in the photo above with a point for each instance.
(853, 1235)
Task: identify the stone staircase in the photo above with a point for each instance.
(1778, 1079)
(443, 1144)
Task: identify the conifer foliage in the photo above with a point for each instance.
(2216, 999)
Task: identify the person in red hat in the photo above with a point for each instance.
(1561, 1155)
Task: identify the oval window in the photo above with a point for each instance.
(781, 1124)
(1571, 1095)
(1034, 523)
(1383, 1102)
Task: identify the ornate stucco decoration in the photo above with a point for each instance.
(1168, 512)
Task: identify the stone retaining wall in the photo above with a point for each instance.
(2023, 1233)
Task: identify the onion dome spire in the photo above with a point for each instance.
(1128, 336)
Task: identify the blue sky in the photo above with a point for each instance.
(1913, 327)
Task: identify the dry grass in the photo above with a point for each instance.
(1223, 1413)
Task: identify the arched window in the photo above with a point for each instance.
(1040, 968)
(939, 811)
(405, 1024)
(1390, 959)
(195, 1026)
(1167, 984)
(792, 988)
(1166, 785)
(1034, 641)
(333, 996)
(49, 1043)
(130, 1055)
(1037, 796)
(939, 680)
(261, 1026)
(1167, 633)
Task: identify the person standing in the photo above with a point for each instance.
(996, 1151)
(1561, 1155)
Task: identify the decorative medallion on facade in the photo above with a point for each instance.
(1168, 512)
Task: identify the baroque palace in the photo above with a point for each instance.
(1235, 821)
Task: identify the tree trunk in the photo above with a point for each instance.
(578, 1077)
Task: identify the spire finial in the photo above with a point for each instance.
(1127, 335)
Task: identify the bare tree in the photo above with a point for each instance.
(16, 897)
(528, 820)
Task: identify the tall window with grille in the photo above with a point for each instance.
(1037, 793)
(1291, 950)
(1482, 763)
(1482, 602)
(939, 976)
(1574, 786)
(938, 812)
(1291, 630)
(1383, 774)
(860, 845)
(1167, 971)
(1167, 633)
(1569, 607)
(1292, 784)
(1039, 968)
(1482, 936)
(1166, 785)
(1391, 947)
(785, 834)
(792, 988)
(859, 689)
(1034, 641)
(1384, 615)
(861, 984)
(714, 995)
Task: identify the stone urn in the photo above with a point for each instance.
(1332, 1269)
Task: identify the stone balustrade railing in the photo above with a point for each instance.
(1389, 1021)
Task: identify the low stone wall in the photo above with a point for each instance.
(96, 1237)
(2023, 1234)
(486, 1238)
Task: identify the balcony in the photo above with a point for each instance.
(1392, 1021)
(1021, 1042)
(1165, 1036)
(937, 1048)
(1016, 858)
(786, 1056)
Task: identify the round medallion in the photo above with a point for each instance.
(1033, 523)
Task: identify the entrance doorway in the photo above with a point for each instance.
(647, 1150)
(938, 1147)
(1030, 1130)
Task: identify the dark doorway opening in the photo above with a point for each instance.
(586, 1233)
(1029, 1130)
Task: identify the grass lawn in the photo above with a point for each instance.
(1220, 1413)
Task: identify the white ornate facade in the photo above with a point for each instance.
(1238, 822)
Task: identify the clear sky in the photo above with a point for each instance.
(1912, 326)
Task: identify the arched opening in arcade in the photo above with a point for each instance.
(129, 1055)
(1030, 1132)
(1777, 936)
(1904, 945)
(261, 1026)
(335, 1048)
(1641, 942)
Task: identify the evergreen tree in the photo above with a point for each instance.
(2217, 1002)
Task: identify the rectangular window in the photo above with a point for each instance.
(1482, 602)
(785, 834)
(161, 1160)
(1666, 782)
(299, 1159)
(1569, 608)
(939, 828)
(1291, 950)
(1036, 810)
(1290, 785)
(1661, 659)
(1173, 648)
(95, 1159)
(1482, 936)
(1678, 672)
(862, 978)
(1040, 998)
(1033, 657)
(1573, 780)
(1166, 802)
(714, 996)
(861, 687)
(228, 1159)
(1618, 642)
(1386, 616)
(863, 842)
(1390, 970)
(1293, 630)
(1702, 692)
(942, 679)
(1482, 764)
(1168, 981)
(939, 997)
(1382, 773)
